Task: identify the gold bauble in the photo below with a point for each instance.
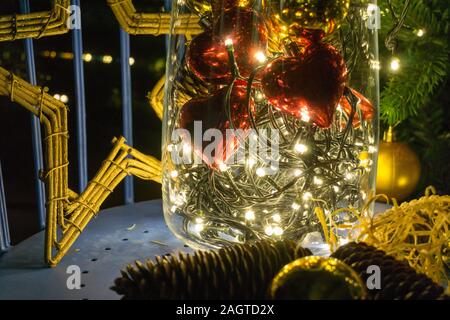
(398, 168)
(205, 7)
(317, 278)
(326, 15)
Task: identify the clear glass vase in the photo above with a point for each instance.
(270, 121)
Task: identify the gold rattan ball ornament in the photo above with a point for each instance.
(398, 168)
(326, 15)
(317, 278)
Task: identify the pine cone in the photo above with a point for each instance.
(241, 271)
(398, 279)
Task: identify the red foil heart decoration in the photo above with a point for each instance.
(308, 86)
(363, 104)
(207, 54)
(207, 57)
(212, 111)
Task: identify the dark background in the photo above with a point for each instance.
(103, 104)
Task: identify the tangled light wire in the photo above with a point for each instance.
(316, 168)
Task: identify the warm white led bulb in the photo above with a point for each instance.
(251, 162)
(276, 217)
(307, 196)
(296, 206)
(268, 230)
(348, 176)
(107, 59)
(198, 220)
(365, 162)
(304, 116)
(64, 98)
(372, 149)
(260, 57)
(395, 64)
(199, 227)
(223, 167)
(318, 181)
(300, 148)
(87, 57)
(228, 42)
(420, 33)
(174, 173)
(277, 231)
(250, 215)
(260, 172)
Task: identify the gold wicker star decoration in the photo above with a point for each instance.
(68, 213)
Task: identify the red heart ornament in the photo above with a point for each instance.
(308, 86)
(207, 57)
(212, 112)
(207, 54)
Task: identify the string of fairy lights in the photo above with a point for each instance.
(92, 58)
(390, 43)
(87, 57)
(244, 201)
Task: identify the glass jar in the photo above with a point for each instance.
(270, 121)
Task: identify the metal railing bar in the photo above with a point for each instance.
(77, 47)
(5, 241)
(127, 112)
(35, 125)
